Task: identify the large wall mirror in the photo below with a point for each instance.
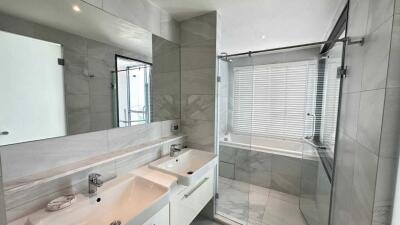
(79, 71)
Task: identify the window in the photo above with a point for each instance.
(275, 100)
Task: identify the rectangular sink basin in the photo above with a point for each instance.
(188, 166)
(129, 199)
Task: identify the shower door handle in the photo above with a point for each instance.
(4, 133)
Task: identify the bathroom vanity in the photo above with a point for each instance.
(169, 191)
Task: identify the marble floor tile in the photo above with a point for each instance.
(254, 205)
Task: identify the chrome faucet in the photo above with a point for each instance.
(94, 182)
(174, 148)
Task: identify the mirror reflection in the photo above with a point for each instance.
(63, 76)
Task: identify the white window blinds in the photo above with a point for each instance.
(273, 100)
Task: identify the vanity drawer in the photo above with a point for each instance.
(161, 218)
(185, 206)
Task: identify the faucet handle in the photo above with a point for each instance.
(176, 147)
(94, 176)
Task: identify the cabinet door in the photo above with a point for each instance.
(161, 218)
(186, 205)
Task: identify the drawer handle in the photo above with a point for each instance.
(196, 187)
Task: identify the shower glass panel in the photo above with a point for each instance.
(233, 200)
(317, 163)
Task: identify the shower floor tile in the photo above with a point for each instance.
(253, 205)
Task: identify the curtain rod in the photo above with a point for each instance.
(250, 53)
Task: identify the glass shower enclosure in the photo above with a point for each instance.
(276, 121)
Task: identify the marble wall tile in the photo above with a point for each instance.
(397, 7)
(165, 107)
(199, 81)
(123, 166)
(342, 208)
(349, 113)
(101, 104)
(199, 131)
(166, 82)
(198, 56)
(309, 172)
(101, 121)
(364, 180)
(199, 29)
(390, 137)
(76, 84)
(79, 122)
(75, 63)
(124, 137)
(370, 119)
(228, 154)
(355, 64)
(102, 52)
(394, 66)
(198, 107)
(385, 184)
(377, 46)
(198, 52)
(77, 103)
(58, 152)
(226, 170)
(379, 12)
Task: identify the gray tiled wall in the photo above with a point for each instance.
(369, 131)
(198, 78)
(165, 80)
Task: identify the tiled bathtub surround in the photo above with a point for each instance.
(368, 147)
(278, 172)
(110, 152)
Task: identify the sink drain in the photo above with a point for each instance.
(190, 172)
(116, 222)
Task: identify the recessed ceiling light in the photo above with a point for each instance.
(263, 37)
(76, 8)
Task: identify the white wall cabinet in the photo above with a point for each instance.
(188, 203)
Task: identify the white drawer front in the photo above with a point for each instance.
(188, 204)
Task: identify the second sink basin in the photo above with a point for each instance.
(129, 199)
(188, 166)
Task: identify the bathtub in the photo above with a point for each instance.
(265, 162)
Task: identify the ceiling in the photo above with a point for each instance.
(259, 24)
(90, 22)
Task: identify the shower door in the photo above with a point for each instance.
(233, 202)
